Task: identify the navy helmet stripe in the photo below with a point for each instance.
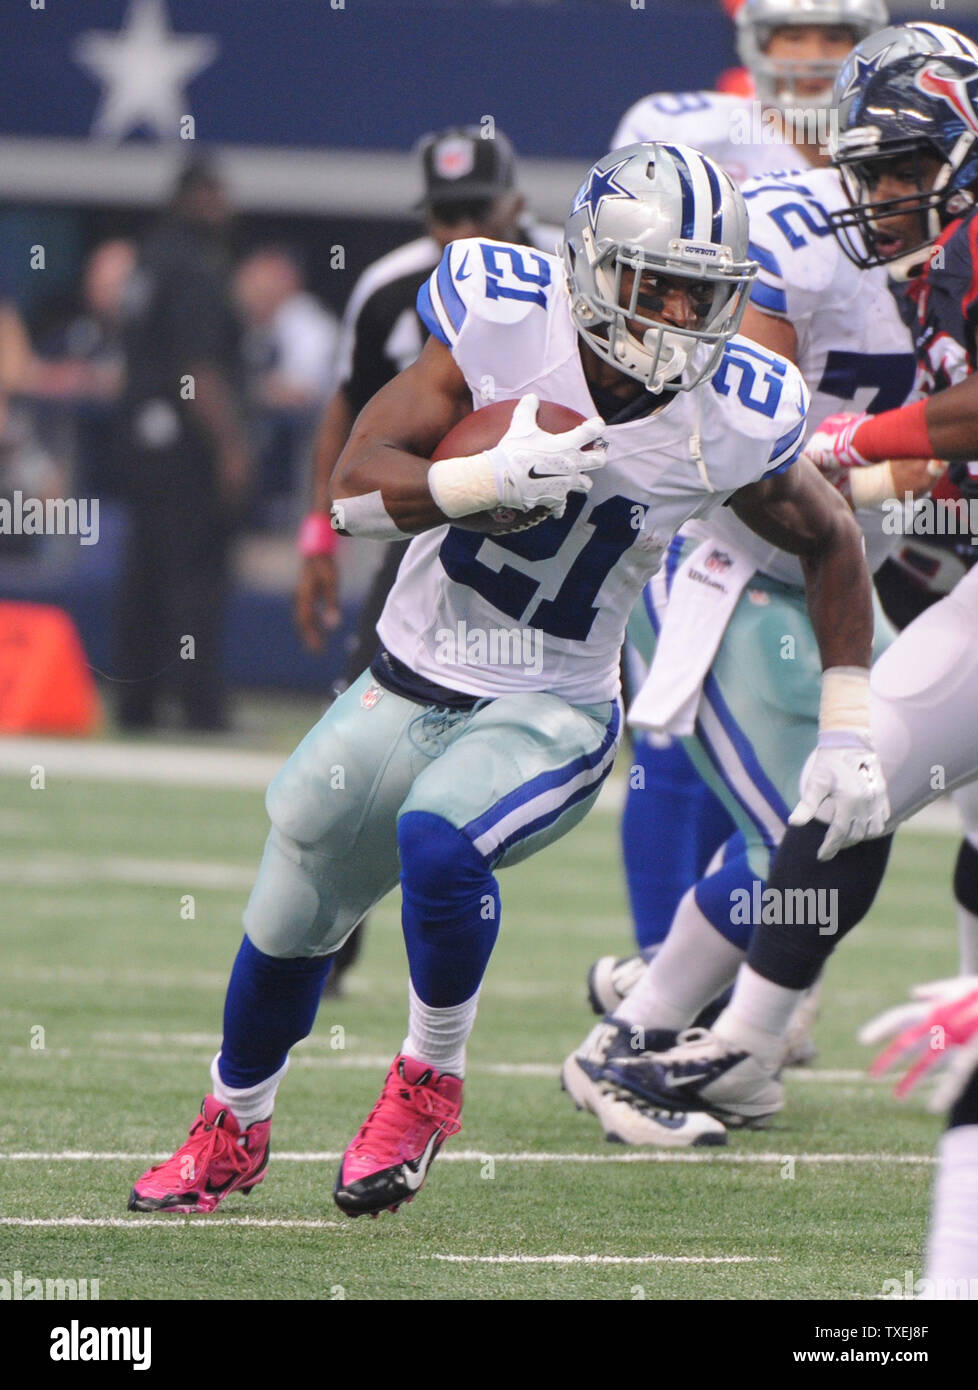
(689, 199)
(716, 233)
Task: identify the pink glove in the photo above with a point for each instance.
(949, 1024)
(831, 445)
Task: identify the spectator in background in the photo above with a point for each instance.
(185, 457)
(291, 338)
(290, 351)
(82, 364)
(469, 190)
(24, 464)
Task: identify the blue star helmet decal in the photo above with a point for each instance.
(862, 68)
(596, 188)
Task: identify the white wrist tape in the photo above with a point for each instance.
(462, 486)
(365, 516)
(871, 486)
(844, 703)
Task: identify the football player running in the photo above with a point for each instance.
(436, 772)
(745, 694)
(908, 151)
(672, 823)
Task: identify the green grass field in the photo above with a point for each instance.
(111, 1007)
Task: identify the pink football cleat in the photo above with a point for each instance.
(390, 1156)
(216, 1160)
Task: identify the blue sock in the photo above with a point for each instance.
(270, 1006)
(672, 826)
(720, 896)
(449, 909)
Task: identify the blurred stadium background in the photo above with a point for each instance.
(311, 110)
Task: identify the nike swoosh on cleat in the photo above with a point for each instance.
(670, 1078)
(462, 273)
(414, 1177)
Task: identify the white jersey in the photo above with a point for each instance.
(730, 129)
(570, 583)
(854, 350)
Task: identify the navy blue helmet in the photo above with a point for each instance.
(903, 93)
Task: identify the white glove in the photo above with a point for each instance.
(941, 1027)
(831, 444)
(842, 782)
(532, 468)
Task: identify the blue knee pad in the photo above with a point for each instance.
(672, 826)
(270, 1005)
(449, 909)
(720, 896)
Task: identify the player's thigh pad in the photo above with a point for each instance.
(523, 771)
(332, 850)
(924, 702)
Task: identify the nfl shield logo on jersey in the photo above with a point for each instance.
(371, 696)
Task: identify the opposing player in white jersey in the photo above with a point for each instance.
(437, 772)
(745, 695)
(672, 824)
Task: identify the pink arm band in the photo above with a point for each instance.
(316, 535)
(896, 434)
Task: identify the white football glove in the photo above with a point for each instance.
(940, 1027)
(532, 468)
(842, 782)
(831, 446)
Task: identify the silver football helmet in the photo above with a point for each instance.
(776, 79)
(644, 214)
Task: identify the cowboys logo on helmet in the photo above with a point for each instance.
(777, 79)
(649, 218)
(905, 94)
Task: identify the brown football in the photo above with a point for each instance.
(481, 430)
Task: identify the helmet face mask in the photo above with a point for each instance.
(780, 81)
(626, 257)
(868, 215)
(906, 99)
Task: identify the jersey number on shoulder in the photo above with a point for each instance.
(756, 393)
(892, 376)
(678, 103)
(791, 217)
(569, 613)
(508, 274)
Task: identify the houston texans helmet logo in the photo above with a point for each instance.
(950, 88)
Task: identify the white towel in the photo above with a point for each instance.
(703, 596)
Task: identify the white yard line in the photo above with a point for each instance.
(199, 766)
(53, 869)
(607, 1259)
(316, 1054)
(138, 1223)
(479, 1156)
(172, 764)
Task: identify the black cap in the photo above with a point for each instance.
(463, 165)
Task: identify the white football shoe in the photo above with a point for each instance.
(625, 1117)
(702, 1073)
(612, 977)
